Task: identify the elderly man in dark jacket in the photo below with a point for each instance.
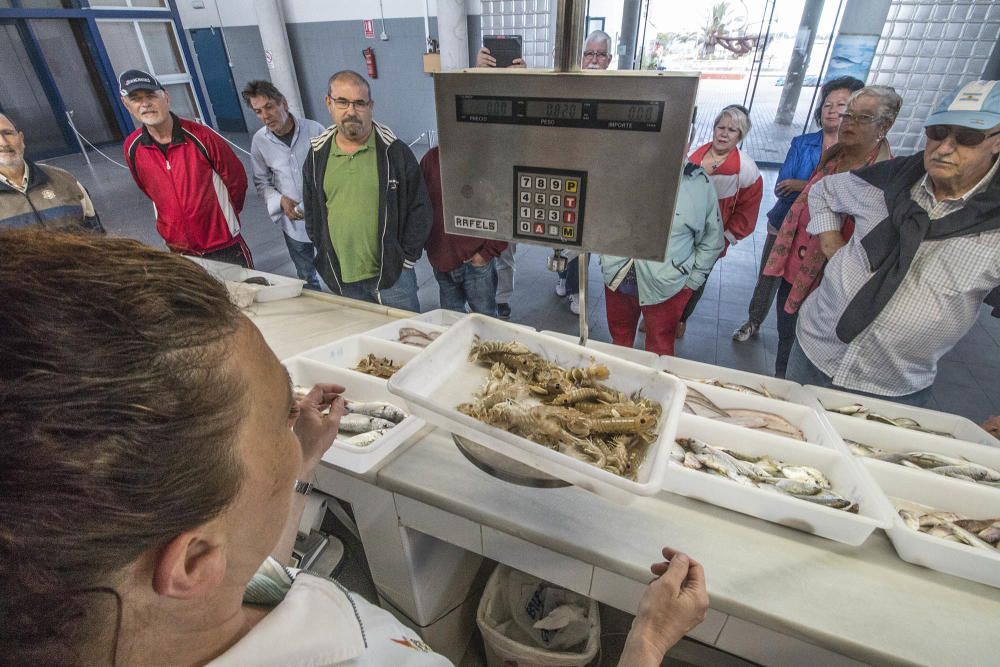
(366, 207)
(35, 195)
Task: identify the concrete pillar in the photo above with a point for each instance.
(628, 41)
(811, 13)
(271, 22)
(453, 31)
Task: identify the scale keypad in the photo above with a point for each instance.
(549, 204)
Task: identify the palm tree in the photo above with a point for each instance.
(715, 25)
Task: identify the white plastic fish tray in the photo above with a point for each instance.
(390, 331)
(281, 287)
(348, 351)
(689, 370)
(895, 439)
(441, 377)
(948, 495)
(959, 427)
(641, 357)
(358, 387)
(814, 428)
(774, 506)
(443, 317)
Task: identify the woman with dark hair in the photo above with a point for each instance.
(797, 257)
(737, 182)
(800, 161)
(154, 470)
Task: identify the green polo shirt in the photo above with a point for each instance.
(351, 188)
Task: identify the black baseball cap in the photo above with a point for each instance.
(135, 79)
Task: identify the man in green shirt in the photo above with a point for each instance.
(366, 206)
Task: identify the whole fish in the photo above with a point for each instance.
(795, 487)
(910, 518)
(377, 409)
(677, 452)
(852, 409)
(831, 499)
(969, 470)
(774, 423)
(806, 474)
(859, 449)
(354, 423)
(366, 439)
(932, 459)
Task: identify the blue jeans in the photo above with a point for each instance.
(303, 256)
(401, 295)
(475, 285)
(572, 276)
(802, 370)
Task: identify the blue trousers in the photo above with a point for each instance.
(475, 285)
(802, 370)
(303, 256)
(401, 295)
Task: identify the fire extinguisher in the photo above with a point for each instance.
(369, 55)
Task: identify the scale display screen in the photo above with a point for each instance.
(628, 115)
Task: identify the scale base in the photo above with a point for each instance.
(505, 468)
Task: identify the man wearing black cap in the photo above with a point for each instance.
(196, 182)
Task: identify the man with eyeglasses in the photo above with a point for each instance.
(196, 182)
(366, 206)
(925, 254)
(38, 195)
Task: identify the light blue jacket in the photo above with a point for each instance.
(277, 171)
(695, 243)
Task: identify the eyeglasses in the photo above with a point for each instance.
(596, 54)
(359, 105)
(860, 118)
(964, 136)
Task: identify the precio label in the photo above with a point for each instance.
(476, 224)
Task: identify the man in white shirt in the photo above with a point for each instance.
(277, 152)
(909, 283)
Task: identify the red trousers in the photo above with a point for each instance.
(661, 319)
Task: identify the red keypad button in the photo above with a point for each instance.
(569, 216)
(569, 202)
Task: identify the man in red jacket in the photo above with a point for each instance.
(196, 182)
(463, 265)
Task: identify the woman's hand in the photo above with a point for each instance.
(672, 605)
(315, 430)
(484, 59)
(789, 186)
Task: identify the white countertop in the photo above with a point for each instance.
(863, 602)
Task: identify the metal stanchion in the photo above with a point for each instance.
(584, 262)
(79, 141)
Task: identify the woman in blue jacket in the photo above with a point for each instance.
(660, 290)
(800, 162)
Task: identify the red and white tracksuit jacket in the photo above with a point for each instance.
(197, 188)
(740, 187)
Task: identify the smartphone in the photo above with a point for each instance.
(505, 48)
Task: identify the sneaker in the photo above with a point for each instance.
(503, 311)
(561, 287)
(681, 327)
(746, 331)
(574, 304)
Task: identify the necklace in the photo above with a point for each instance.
(719, 159)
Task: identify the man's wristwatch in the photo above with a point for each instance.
(305, 488)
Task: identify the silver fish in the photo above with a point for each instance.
(354, 423)
(376, 409)
(831, 499)
(366, 439)
(677, 452)
(933, 460)
(910, 518)
(806, 474)
(774, 423)
(691, 461)
(969, 470)
(795, 487)
(852, 409)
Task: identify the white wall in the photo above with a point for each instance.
(229, 13)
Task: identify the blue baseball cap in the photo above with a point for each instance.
(975, 105)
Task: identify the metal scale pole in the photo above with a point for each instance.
(570, 18)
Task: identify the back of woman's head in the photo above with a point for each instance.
(119, 422)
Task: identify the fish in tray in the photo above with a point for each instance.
(949, 466)
(760, 390)
(976, 533)
(566, 409)
(862, 412)
(698, 404)
(363, 422)
(380, 367)
(416, 337)
(763, 472)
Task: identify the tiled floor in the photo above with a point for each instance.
(967, 382)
